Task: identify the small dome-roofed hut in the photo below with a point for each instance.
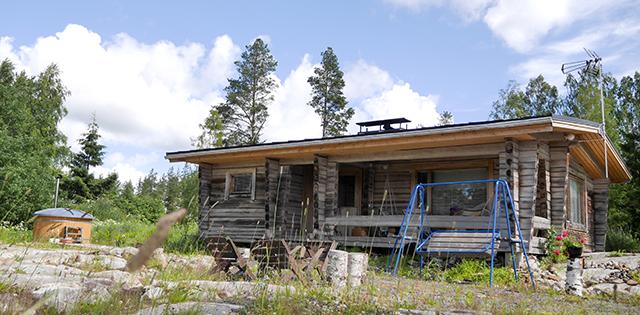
(65, 224)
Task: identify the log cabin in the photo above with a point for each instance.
(354, 188)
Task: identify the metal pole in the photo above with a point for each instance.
(604, 125)
(55, 200)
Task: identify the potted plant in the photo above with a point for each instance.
(573, 246)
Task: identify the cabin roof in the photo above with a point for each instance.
(494, 131)
(63, 213)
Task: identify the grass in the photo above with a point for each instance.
(172, 273)
(14, 234)
(95, 265)
(183, 237)
(384, 294)
(477, 271)
(129, 232)
(120, 302)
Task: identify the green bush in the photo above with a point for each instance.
(103, 209)
(122, 208)
(621, 240)
(147, 208)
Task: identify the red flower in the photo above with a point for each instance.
(559, 238)
(565, 233)
(583, 240)
(557, 252)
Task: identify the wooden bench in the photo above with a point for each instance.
(459, 242)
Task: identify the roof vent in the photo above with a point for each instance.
(383, 125)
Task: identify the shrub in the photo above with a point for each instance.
(146, 208)
(621, 240)
(103, 209)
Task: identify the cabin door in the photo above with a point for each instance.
(349, 193)
(307, 198)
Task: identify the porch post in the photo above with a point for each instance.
(272, 170)
(559, 173)
(204, 176)
(509, 171)
(600, 209)
(528, 177)
(325, 192)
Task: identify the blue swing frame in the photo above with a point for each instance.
(501, 193)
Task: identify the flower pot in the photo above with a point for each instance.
(574, 252)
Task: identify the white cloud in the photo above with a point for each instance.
(614, 41)
(150, 98)
(469, 10)
(371, 91)
(364, 80)
(128, 166)
(143, 95)
(375, 95)
(520, 24)
(400, 101)
(289, 115)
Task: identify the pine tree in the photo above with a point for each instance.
(446, 118)
(328, 100)
(241, 118)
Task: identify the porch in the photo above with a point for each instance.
(359, 200)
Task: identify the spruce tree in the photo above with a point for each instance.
(327, 100)
(92, 151)
(241, 118)
(446, 118)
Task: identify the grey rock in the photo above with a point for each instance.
(416, 312)
(204, 308)
(593, 276)
(127, 280)
(153, 293)
(63, 295)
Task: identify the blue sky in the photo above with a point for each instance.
(149, 70)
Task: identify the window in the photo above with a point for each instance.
(241, 183)
(347, 191)
(454, 199)
(576, 200)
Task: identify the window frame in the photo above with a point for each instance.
(582, 191)
(432, 179)
(229, 182)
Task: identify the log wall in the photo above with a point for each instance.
(559, 176)
(600, 201)
(528, 176)
(240, 217)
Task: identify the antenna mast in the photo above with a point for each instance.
(593, 66)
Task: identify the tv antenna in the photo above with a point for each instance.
(593, 66)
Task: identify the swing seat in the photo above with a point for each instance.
(459, 242)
